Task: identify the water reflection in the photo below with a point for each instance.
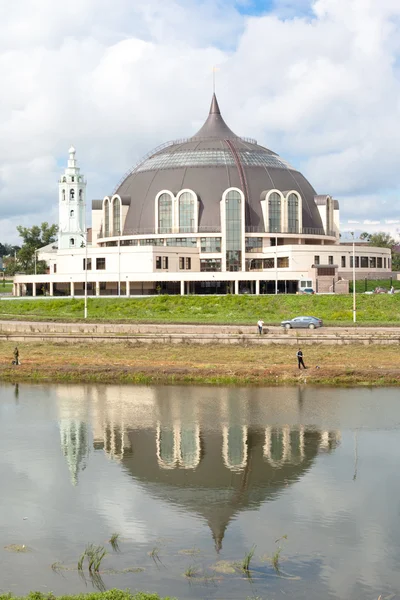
(213, 459)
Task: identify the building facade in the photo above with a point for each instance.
(214, 213)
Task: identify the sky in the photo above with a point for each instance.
(318, 82)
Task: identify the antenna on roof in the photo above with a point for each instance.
(215, 69)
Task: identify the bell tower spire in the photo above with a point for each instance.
(72, 206)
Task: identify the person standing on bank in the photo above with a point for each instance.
(260, 325)
(300, 361)
(16, 356)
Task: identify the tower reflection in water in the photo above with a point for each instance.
(213, 452)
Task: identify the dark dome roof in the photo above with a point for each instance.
(208, 163)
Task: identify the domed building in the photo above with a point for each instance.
(213, 213)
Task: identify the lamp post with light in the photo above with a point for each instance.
(354, 280)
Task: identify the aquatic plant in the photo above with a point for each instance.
(114, 542)
(277, 553)
(191, 571)
(94, 555)
(247, 559)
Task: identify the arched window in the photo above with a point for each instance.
(186, 212)
(189, 447)
(233, 220)
(166, 447)
(63, 195)
(274, 212)
(116, 217)
(80, 195)
(165, 214)
(293, 213)
(72, 179)
(71, 242)
(106, 218)
(71, 194)
(71, 213)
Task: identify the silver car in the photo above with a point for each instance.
(302, 322)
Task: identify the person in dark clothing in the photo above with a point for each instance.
(16, 356)
(300, 360)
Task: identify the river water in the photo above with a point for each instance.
(191, 478)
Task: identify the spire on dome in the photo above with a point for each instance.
(214, 108)
(215, 126)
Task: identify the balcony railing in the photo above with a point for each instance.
(216, 229)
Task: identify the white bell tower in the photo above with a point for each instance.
(72, 206)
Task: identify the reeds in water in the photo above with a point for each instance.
(94, 555)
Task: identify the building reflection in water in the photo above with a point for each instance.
(209, 451)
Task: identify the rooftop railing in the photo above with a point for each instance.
(207, 229)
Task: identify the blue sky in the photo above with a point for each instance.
(317, 82)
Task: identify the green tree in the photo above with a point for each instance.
(381, 240)
(34, 238)
(384, 240)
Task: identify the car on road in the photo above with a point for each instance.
(302, 322)
(307, 291)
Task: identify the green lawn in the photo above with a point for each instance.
(368, 285)
(5, 286)
(243, 309)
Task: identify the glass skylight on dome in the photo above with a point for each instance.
(210, 158)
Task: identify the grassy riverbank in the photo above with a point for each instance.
(379, 309)
(197, 364)
(108, 595)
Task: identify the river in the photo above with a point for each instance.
(191, 479)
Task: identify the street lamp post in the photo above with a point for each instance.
(354, 281)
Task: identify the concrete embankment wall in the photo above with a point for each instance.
(26, 331)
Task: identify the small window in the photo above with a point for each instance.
(100, 264)
(72, 179)
(326, 271)
(158, 262)
(71, 213)
(330, 260)
(165, 262)
(71, 242)
(343, 262)
(63, 195)
(268, 263)
(72, 194)
(357, 262)
(379, 262)
(188, 263)
(64, 179)
(316, 260)
(80, 195)
(181, 262)
(283, 262)
(89, 264)
(384, 262)
(54, 268)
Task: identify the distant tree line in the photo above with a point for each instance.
(384, 240)
(22, 259)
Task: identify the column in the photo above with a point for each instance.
(257, 287)
(72, 289)
(128, 288)
(51, 289)
(182, 288)
(236, 286)
(34, 289)
(97, 288)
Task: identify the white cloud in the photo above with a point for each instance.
(321, 89)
